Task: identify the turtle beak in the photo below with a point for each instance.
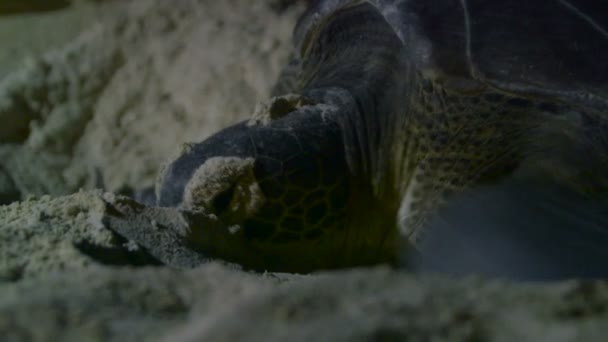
(225, 187)
(232, 142)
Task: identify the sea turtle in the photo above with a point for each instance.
(386, 110)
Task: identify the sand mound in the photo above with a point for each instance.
(108, 108)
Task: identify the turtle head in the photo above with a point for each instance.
(277, 180)
(283, 190)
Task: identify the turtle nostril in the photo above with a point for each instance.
(223, 199)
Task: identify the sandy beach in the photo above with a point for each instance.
(94, 97)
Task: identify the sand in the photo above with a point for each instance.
(108, 108)
(100, 104)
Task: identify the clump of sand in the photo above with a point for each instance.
(39, 236)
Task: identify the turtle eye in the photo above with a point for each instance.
(223, 199)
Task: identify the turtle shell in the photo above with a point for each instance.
(542, 48)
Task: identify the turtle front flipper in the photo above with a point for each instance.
(521, 228)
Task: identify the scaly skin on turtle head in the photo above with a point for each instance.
(386, 109)
(280, 184)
